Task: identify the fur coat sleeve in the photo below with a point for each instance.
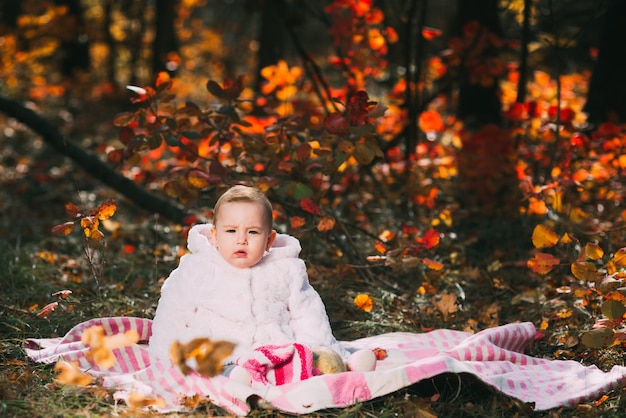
(269, 303)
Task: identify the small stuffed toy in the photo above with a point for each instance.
(327, 361)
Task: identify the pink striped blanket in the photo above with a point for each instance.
(494, 355)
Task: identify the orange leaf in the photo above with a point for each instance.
(137, 401)
(432, 264)
(63, 229)
(70, 374)
(326, 224)
(594, 251)
(430, 121)
(380, 353)
(543, 263)
(297, 222)
(364, 302)
(105, 210)
(47, 310)
(430, 33)
(620, 257)
(72, 210)
(544, 237)
(585, 270)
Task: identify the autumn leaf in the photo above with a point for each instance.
(297, 222)
(326, 224)
(207, 355)
(544, 237)
(446, 304)
(432, 264)
(63, 229)
(613, 309)
(101, 346)
(63, 294)
(105, 210)
(138, 400)
(47, 310)
(198, 179)
(70, 374)
(309, 206)
(543, 263)
(72, 210)
(598, 337)
(364, 302)
(431, 238)
(380, 353)
(430, 33)
(619, 258)
(594, 251)
(584, 270)
(430, 121)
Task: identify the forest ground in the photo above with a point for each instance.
(141, 251)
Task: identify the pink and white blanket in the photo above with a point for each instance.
(494, 355)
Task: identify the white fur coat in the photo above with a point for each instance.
(269, 303)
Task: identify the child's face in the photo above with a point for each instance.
(240, 234)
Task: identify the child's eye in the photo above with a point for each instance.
(230, 231)
(254, 232)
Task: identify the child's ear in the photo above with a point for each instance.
(213, 233)
(270, 240)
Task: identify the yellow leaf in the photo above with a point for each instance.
(594, 251)
(137, 401)
(105, 210)
(578, 216)
(364, 302)
(543, 263)
(620, 257)
(544, 237)
(585, 270)
(69, 374)
(568, 239)
(198, 179)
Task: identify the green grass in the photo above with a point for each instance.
(131, 287)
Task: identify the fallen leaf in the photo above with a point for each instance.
(47, 310)
(202, 355)
(69, 374)
(364, 302)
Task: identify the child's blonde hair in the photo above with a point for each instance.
(241, 193)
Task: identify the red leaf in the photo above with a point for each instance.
(431, 238)
(309, 206)
(430, 33)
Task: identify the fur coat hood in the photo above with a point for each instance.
(269, 303)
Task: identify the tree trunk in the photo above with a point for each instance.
(606, 99)
(74, 42)
(90, 162)
(478, 105)
(165, 39)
